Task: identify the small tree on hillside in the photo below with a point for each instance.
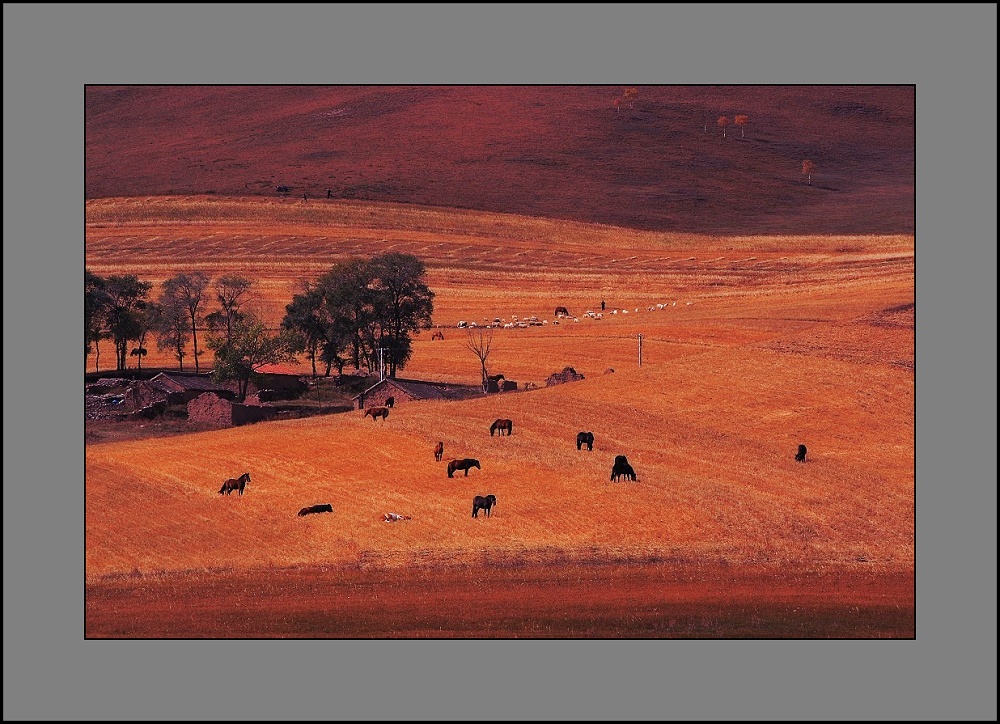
(479, 341)
(230, 291)
(250, 347)
(807, 168)
(171, 326)
(742, 121)
(722, 123)
(630, 95)
(189, 290)
(126, 296)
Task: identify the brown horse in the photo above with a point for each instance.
(438, 451)
(232, 484)
(464, 464)
(377, 412)
(321, 508)
(561, 312)
(390, 401)
(501, 426)
(483, 503)
(800, 456)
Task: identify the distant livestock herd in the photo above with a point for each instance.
(561, 313)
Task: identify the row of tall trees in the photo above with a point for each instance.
(118, 308)
(362, 312)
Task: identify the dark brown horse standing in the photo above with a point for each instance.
(439, 451)
(377, 412)
(463, 464)
(232, 484)
(800, 456)
(501, 426)
(481, 502)
(585, 438)
(622, 469)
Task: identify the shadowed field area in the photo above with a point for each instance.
(751, 346)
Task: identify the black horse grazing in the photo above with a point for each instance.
(321, 508)
(585, 438)
(561, 312)
(464, 464)
(438, 451)
(622, 469)
(232, 484)
(483, 503)
(377, 412)
(390, 401)
(501, 426)
(800, 456)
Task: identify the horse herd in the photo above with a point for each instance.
(621, 470)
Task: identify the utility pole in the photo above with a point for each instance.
(640, 350)
(381, 364)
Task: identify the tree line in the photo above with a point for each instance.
(362, 313)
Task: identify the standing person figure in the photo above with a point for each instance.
(329, 193)
(602, 305)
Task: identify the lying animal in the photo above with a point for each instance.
(393, 517)
(322, 508)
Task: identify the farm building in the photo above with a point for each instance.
(408, 390)
(278, 383)
(179, 387)
(211, 408)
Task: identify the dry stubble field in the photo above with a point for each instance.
(772, 341)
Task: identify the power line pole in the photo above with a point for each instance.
(640, 350)
(381, 364)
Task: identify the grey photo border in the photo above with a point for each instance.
(947, 51)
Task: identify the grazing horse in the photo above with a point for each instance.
(621, 468)
(800, 456)
(499, 426)
(438, 451)
(235, 484)
(321, 508)
(464, 464)
(377, 412)
(437, 335)
(585, 438)
(390, 401)
(561, 312)
(483, 503)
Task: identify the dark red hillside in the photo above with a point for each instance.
(552, 151)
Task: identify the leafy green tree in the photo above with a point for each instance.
(308, 324)
(403, 303)
(125, 312)
(189, 289)
(348, 296)
(250, 347)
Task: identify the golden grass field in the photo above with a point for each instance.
(772, 342)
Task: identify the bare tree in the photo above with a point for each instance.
(723, 122)
(807, 168)
(742, 121)
(479, 341)
(189, 289)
